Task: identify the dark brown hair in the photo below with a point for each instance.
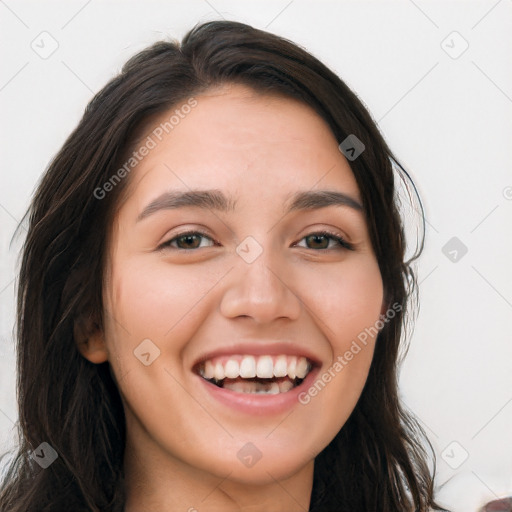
(376, 462)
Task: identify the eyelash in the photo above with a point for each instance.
(343, 244)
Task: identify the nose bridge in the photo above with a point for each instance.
(258, 287)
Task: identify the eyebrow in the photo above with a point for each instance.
(315, 199)
(207, 199)
(216, 200)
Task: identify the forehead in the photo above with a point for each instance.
(253, 145)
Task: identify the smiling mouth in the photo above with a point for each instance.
(264, 374)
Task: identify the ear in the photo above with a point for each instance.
(90, 340)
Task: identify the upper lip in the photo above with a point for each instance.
(260, 348)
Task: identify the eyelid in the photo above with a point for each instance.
(335, 235)
(167, 243)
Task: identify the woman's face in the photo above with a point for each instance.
(219, 267)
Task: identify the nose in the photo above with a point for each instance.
(260, 290)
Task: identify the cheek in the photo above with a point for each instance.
(346, 300)
(152, 300)
(347, 303)
(348, 306)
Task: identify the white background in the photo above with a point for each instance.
(449, 120)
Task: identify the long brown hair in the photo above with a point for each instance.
(376, 462)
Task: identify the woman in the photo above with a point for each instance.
(212, 295)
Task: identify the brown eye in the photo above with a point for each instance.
(187, 241)
(317, 241)
(326, 241)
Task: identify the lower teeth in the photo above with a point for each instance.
(264, 387)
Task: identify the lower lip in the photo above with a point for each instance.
(260, 404)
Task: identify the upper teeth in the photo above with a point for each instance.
(248, 367)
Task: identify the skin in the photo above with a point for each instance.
(182, 444)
